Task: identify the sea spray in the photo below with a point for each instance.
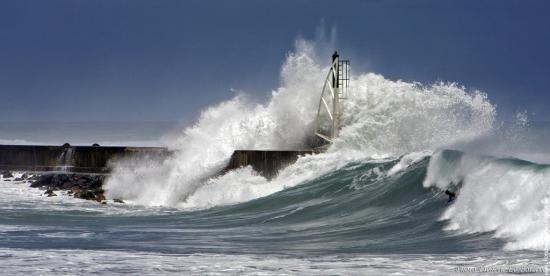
(519, 138)
(397, 117)
(382, 118)
(204, 148)
(507, 196)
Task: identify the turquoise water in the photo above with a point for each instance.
(359, 218)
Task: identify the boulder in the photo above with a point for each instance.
(86, 194)
(43, 180)
(118, 200)
(87, 187)
(99, 197)
(7, 174)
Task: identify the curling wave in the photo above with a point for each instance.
(505, 195)
(383, 118)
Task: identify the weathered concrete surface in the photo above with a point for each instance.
(95, 159)
(79, 159)
(266, 162)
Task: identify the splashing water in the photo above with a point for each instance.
(508, 196)
(382, 118)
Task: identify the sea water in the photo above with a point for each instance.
(374, 203)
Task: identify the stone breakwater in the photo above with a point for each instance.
(83, 186)
(88, 187)
(85, 168)
(71, 159)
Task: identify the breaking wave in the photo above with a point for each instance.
(389, 165)
(509, 197)
(382, 118)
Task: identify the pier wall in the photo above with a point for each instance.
(266, 162)
(95, 159)
(78, 159)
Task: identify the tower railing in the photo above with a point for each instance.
(335, 89)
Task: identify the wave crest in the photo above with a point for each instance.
(508, 196)
(382, 118)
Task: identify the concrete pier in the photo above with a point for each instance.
(266, 162)
(95, 159)
(75, 159)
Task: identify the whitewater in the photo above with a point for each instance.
(373, 203)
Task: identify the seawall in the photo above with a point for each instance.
(266, 162)
(75, 159)
(95, 159)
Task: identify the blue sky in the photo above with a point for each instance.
(132, 60)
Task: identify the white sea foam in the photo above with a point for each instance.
(407, 160)
(18, 195)
(382, 118)
(505, 196)
(518, 139)
(244, 184)
(105, 262)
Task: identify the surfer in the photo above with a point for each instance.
(451, 195)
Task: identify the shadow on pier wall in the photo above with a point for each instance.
(77, 159)
(95, 159)
(266, 162)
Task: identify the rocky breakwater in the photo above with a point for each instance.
(89, 187)
(82, 186)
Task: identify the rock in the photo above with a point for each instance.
(99, 197)
(87, 194)
(49, 193)
(87, 187)
(67, 185)
(43, 180)
(118, 200)
(7, 174)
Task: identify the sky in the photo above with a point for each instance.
(134, 60)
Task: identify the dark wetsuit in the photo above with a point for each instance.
(451, 195)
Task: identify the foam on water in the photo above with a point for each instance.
(508, 196)
(244, 184)
(19, 196)
(382, 118)
(121, 262)
(407, 160)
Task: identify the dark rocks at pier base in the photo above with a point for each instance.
(27, 177)
(87, 187)
(7, 174)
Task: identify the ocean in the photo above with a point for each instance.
(373, 204)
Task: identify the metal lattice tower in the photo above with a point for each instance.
(335, 90)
